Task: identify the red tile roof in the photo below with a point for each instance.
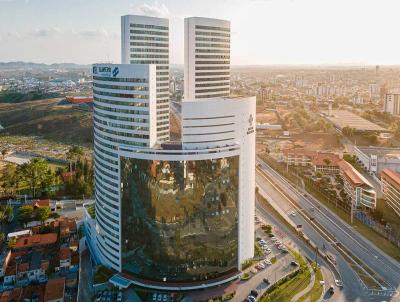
(34, 290)
(65, 253)
(326, 159)
(353, 175)
(36, 240)
(54, 289)
(23, 267)
(11, 271)
(41, 203)
(391, 176)
(11, 295)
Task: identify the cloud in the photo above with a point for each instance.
(153, 10)
(98, 34)
(45, 32)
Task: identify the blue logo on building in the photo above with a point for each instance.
(115, 71)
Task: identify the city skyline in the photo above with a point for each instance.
(325, 32)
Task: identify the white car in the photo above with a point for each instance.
(293, 214)
(280, 247)
(338, 283)
(267, 262)
(273, 239)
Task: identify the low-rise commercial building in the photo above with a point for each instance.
(357, 187)
(390, 184)
(376, 159)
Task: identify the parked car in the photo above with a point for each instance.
(251, 298)
(331, 290)
(266, 281)
(254, 293)
(267, 262)
(294, 263)
(338, 283)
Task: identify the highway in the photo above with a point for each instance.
(291, 240)
(384, 266)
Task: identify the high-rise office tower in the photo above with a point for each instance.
(145, 40)
(124, 115)
(171, 216)
(207, 58)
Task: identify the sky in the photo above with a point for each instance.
(264, 32)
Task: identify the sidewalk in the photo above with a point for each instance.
(309, 286)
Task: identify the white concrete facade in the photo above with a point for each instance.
(207, 58)
(219, 123)
(391, 103)
(145, 40)
(124, 114)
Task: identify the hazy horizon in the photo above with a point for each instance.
(264, 32)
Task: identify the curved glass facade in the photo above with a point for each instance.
(179, 218)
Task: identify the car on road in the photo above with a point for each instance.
(260, 266)
(254, 270)
(284, 250)
(119, 297)
(266, 281)
(273, 239)
(254, 293)
(280, 247)
(294, 263)
(338, 283)
(331, 290)
(293, 214)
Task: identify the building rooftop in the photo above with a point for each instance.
(54, 289)
(392, 176)
(381, 152)
(326, 159)
(65, 253)
(36, 240)
(343, 118)
(356, 178)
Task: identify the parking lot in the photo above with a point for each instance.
(275, 264)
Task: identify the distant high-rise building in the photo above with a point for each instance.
(207, 58)
(391, 103)
(145, 40)
(373, 90)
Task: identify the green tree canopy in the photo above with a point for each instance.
(42, 214)
(24, 214)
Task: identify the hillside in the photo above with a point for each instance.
(46, 119)
(31, 65)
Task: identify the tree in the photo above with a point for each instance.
(327, 161)
(38, 174)
(42, 214)
(24, 214)
(73, 155)
(10, 179)
(5, 215)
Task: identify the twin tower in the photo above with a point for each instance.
(172, 215)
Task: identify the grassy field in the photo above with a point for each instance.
(315, 293)
(46, 119)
